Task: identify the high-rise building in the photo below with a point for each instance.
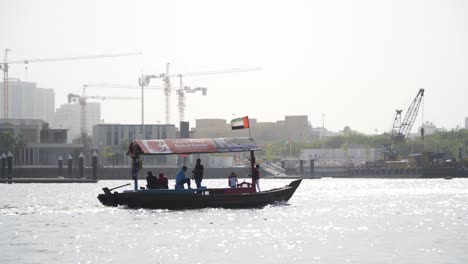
(466, 122)
(27, 101)
(68, 116)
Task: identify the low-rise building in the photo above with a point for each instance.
(111, 140)
(32, 142)
(294, 128)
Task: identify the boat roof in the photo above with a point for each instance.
(195, 145)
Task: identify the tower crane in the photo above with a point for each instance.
(402, 128)
(167, 85)
(82, 99)
(5, 67)
(181, 91)
(181, 94)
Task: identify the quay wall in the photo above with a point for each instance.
(121, 173)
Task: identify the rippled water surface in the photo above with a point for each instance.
(326, 221)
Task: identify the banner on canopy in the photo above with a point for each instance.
(204, 145)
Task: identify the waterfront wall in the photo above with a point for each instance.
(121, 173)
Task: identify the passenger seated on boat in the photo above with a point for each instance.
(163, 182)
(232, 180)
(151, 181)
(181, 178)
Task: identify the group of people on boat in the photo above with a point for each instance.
(153, 182)
(197, 174)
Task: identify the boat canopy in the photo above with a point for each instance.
(191, 145)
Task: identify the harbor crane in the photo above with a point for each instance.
(82, 100)
(145, 80)
(402, 128)
(6, 64)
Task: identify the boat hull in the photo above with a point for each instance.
(193, 199)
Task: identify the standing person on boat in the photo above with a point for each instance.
(256, 176)
(198, 173)
(181, 178)
(163, 181)
(232, 180)
(151, 181)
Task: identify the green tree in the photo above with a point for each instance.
(7, 142)
(106, 154)
(124, 147)
(20, 143)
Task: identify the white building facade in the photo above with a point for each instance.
(27, 101)
(68, 116)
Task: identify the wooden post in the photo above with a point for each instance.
(95, 165)
(312, 165)
(301, 167)
(81, 166)
(3, 166)
(10, 165)
(70, 166)
(60, 166)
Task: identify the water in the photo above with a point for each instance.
(326, 221)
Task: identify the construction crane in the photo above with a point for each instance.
(181, 95)
(402, 128)
(181, 91)
(167, 85)
(6, 63)
(82, 99)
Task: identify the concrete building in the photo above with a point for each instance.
(68, 116)
(295, 128)
(33, 143)
(113, 139)
(466, 122)
(27, 101)
(429, 129)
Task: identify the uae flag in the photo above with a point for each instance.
(240, 123)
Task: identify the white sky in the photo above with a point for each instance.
(355, 61)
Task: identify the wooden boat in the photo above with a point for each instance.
(245, 196)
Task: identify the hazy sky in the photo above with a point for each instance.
(355, 61)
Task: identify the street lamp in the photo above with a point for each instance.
(143, 81)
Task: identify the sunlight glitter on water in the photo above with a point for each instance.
(326, 221)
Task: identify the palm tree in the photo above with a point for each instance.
(6, 141)
(20, 143)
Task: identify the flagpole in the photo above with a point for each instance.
(250, 136)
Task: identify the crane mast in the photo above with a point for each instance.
(402, 128)
(82, 99)
(167, 95)
(167, 86)
(6, 63)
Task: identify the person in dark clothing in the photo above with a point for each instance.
(198, 173)
(163, 182)
(151, 181)
(256, 176)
